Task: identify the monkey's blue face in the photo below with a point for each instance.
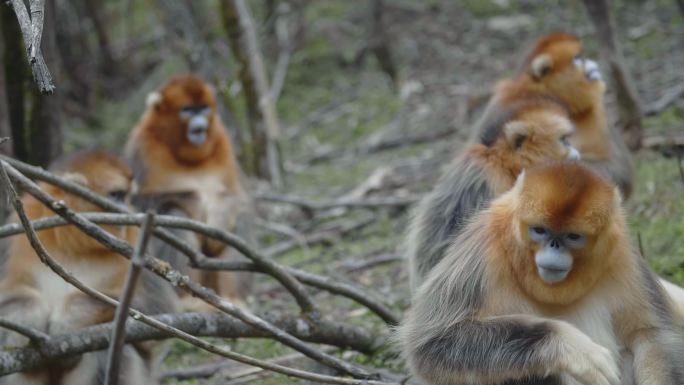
(553, 259)
(589, 67)
(197, 118)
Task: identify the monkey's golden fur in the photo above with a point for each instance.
(485, 316)
(525, 133)
(600, 145)
(30, 293)
(200, 181)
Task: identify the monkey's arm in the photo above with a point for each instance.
(461, 191)
(504, 348)
(652, 335)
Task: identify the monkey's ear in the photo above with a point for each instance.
(541, 65)
(516, 133)
(519, 181)
(617, 200)
(75, 178)
(153, 100)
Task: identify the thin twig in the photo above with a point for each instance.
(36, 336)
(284, 53)
(165, 271)
(44, 256)
(119, 330)
(679, 165)
(321, 282)
(291, 284)
(310, 205)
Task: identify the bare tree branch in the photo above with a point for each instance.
(165, 271)
(32, 31)
(35, 336)
(669, 97)
(97, 337)
(321, 282)
(119, 330)
(303, 299)
(310, 205)
(60, 208)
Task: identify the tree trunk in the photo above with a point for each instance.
(45, 127)
(629, 111)
(262, 118)
(5, 130)
(15, 63)
(96, 12)
(379, 42)
(179, 19)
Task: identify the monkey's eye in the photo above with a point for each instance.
(190, 111)
(565, 140)
(575, 240)
(538, 233)
(578, 61)
(118, 195)
(539, 230)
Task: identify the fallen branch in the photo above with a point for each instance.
(97, 337)
(384, 145)
(669, 97)
(309, 205)
(667, 145)
(358, 265)
(236, 371)
(323, 236)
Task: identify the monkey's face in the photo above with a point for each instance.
(553, 251)
(185, 108)
(560, 69)
(537, 136)
(562, 224)
(104, 174)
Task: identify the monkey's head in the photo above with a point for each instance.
(556, 66)
(100, 171)
(184, 110)
(529, 132)
(568, 225)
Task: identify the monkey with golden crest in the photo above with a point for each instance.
(544, 288)
(525, 133)
(32, 294)
(555, 68)
(184, 164)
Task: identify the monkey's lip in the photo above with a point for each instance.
(551, 274)
(593, 74)
(197, 135)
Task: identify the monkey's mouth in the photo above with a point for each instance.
(590, 68)
(550, 274)
(197, 130)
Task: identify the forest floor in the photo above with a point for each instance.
(336, 115)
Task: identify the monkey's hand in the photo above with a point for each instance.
(586, 361)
